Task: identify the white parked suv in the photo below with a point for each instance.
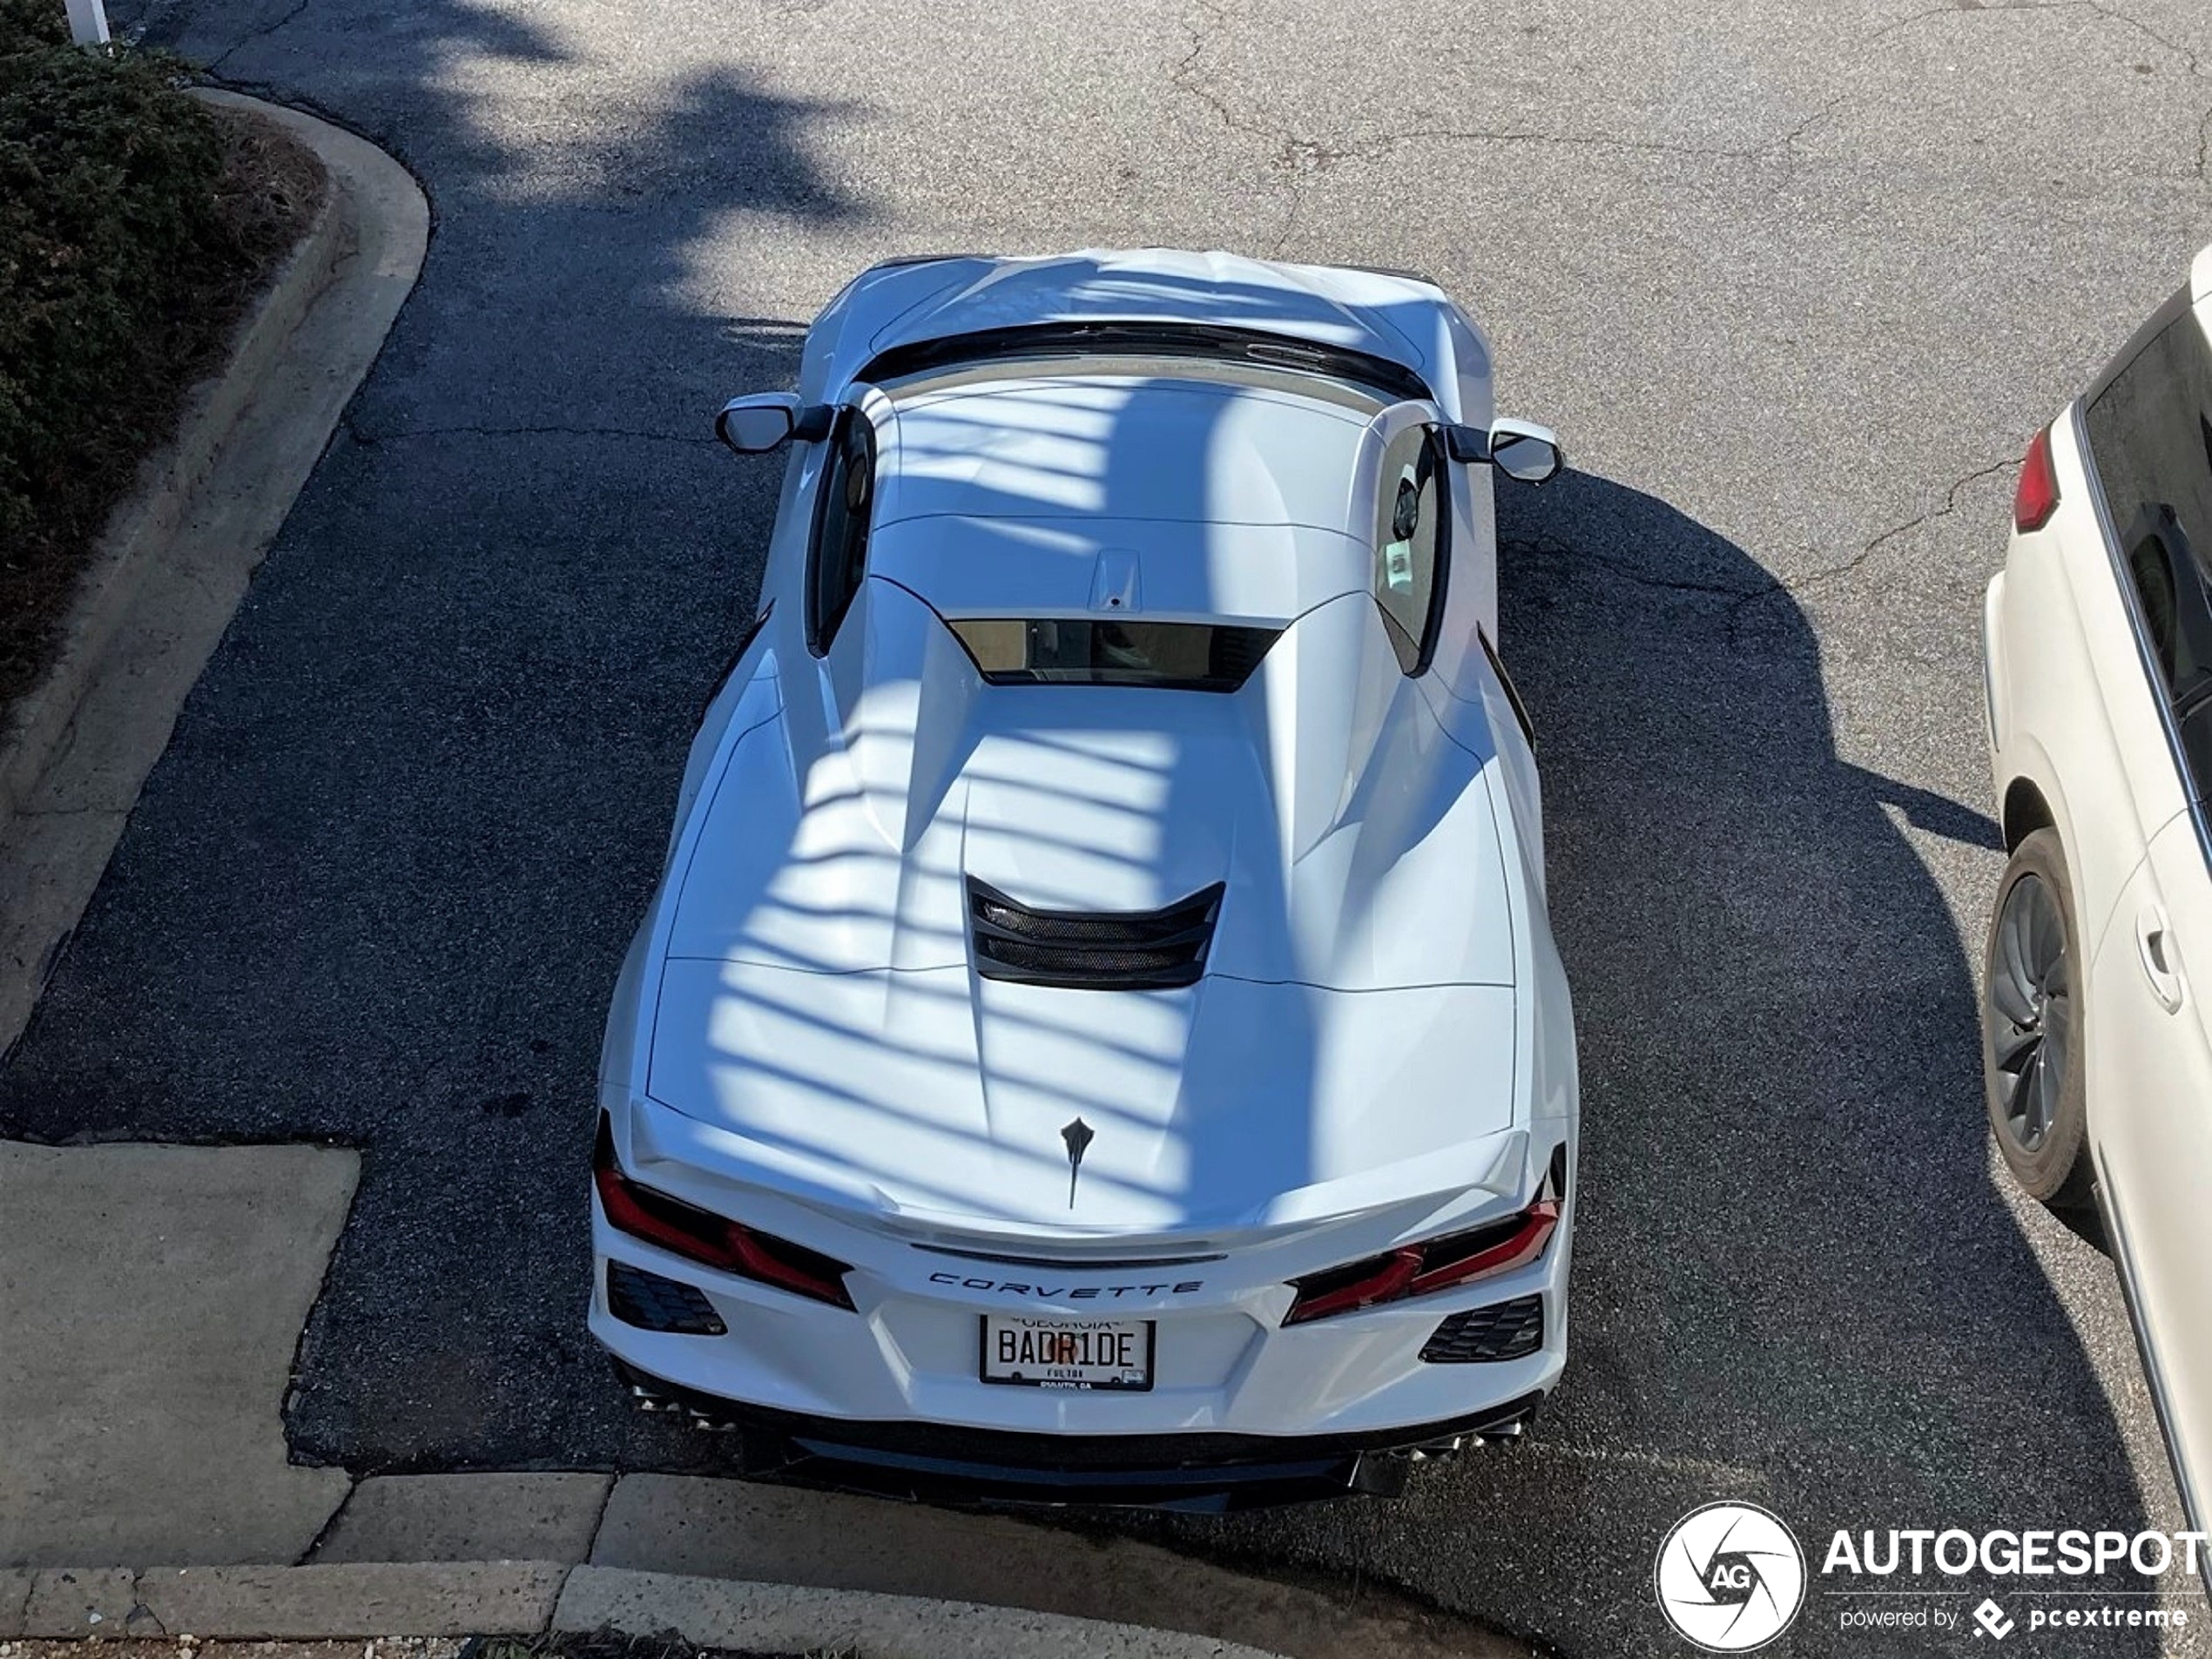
(2097, 662)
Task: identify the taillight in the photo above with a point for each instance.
(2037, 497)
(711, 1240)
(1435, 1264)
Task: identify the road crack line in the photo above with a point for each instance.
(262, 33)
(1741, 596)
(1850, 566)
(2192, 61)
(1297, 157)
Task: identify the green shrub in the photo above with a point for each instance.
(108, 177)
(32, 22)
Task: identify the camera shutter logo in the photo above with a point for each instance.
(1729, 1577)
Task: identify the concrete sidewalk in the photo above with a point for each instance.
(151, 1298)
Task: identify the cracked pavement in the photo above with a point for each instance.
(1791, 281)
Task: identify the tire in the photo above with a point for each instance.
(2032, 1010)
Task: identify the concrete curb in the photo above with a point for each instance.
(367, 1600)
(533, 1598)
(776, 1618)
(271, 1603)
(174, 559)
(714, 1528)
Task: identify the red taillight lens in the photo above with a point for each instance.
(711, 1240)
(1415, 1269)
(2037, 497)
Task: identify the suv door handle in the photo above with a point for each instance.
(2155, 949)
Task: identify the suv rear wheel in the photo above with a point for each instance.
(2031, 1027)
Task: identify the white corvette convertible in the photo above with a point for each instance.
(1097, 1037)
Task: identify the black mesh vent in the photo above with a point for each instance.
(1085, 950)
(1503, 1331)
(652, 1302)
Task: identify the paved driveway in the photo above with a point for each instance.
(1795, 282)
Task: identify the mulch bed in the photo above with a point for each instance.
(104, 380)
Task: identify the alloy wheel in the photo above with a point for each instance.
(2030, 1010)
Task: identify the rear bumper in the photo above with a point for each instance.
(908, 1348)
(944, 1463)
(886, 1392)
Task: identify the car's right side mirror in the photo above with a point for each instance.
(760, 421)
(1520, 449)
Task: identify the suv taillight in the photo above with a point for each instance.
(2037, 497)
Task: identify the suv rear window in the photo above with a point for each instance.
(1180, 656)
(2149, 425)
(2149, 422)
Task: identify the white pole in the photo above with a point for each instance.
(88, 23)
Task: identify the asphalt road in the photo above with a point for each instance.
(1795, 283)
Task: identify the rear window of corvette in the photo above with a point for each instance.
(1183, 656)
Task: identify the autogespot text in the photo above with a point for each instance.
(2071, 1553)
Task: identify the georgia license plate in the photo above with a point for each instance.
(1066, 1353)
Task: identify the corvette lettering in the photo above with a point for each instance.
(1079, 1292)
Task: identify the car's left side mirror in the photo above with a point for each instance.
(760, 421)
(1520, 449)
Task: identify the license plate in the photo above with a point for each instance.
(1066, 1353)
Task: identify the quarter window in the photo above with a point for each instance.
(1410, 545)
(837, 561)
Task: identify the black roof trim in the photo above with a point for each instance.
(1148, 338)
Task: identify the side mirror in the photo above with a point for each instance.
(761, 421)
(1525, 451)
(1520, 449)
